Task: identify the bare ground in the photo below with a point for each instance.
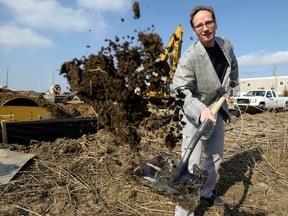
(91, 175)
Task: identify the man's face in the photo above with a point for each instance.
(205, 28)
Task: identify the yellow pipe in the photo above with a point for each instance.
(23, 113)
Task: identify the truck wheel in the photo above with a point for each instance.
(262, 107)
(286, 107)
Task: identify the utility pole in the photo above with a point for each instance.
(275, 73)
(7, 75)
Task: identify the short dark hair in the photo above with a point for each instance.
(201, 8)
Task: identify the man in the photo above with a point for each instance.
(199, 81)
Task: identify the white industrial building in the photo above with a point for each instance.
(277, 83)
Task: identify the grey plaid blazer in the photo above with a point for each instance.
(197, 81)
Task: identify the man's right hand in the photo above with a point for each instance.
(206, 113)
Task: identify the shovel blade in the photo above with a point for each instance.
(158, 174)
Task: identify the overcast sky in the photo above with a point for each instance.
(38, 36)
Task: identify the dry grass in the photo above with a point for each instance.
(89, 176)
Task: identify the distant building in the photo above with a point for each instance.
(277, 83)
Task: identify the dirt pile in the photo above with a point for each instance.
(88, 176)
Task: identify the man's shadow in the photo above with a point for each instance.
(237, 169)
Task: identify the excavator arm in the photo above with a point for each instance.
(172, 53)
(174, 44)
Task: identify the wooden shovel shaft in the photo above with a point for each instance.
(196, 137)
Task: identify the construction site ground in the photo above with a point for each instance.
(91, 175)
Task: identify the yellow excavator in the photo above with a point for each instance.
(174, 44)
(172, 53)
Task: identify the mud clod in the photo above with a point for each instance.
(136, 10)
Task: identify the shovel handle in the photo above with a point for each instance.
(202, 128)
(182, 166)
(196, 137)
(222, 99)
(218, 104)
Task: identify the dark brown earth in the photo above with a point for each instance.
(92, 175)
(136, 10)
(107, 81)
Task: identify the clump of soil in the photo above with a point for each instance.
(136, 10)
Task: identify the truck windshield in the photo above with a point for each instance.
(255, 93)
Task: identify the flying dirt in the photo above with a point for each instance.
(107, 81)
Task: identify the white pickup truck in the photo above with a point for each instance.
(260, 100)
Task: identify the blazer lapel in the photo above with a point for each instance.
(221, 45)
(207, 68)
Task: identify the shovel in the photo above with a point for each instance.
(183, 185)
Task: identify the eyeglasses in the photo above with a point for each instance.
(200, 26)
